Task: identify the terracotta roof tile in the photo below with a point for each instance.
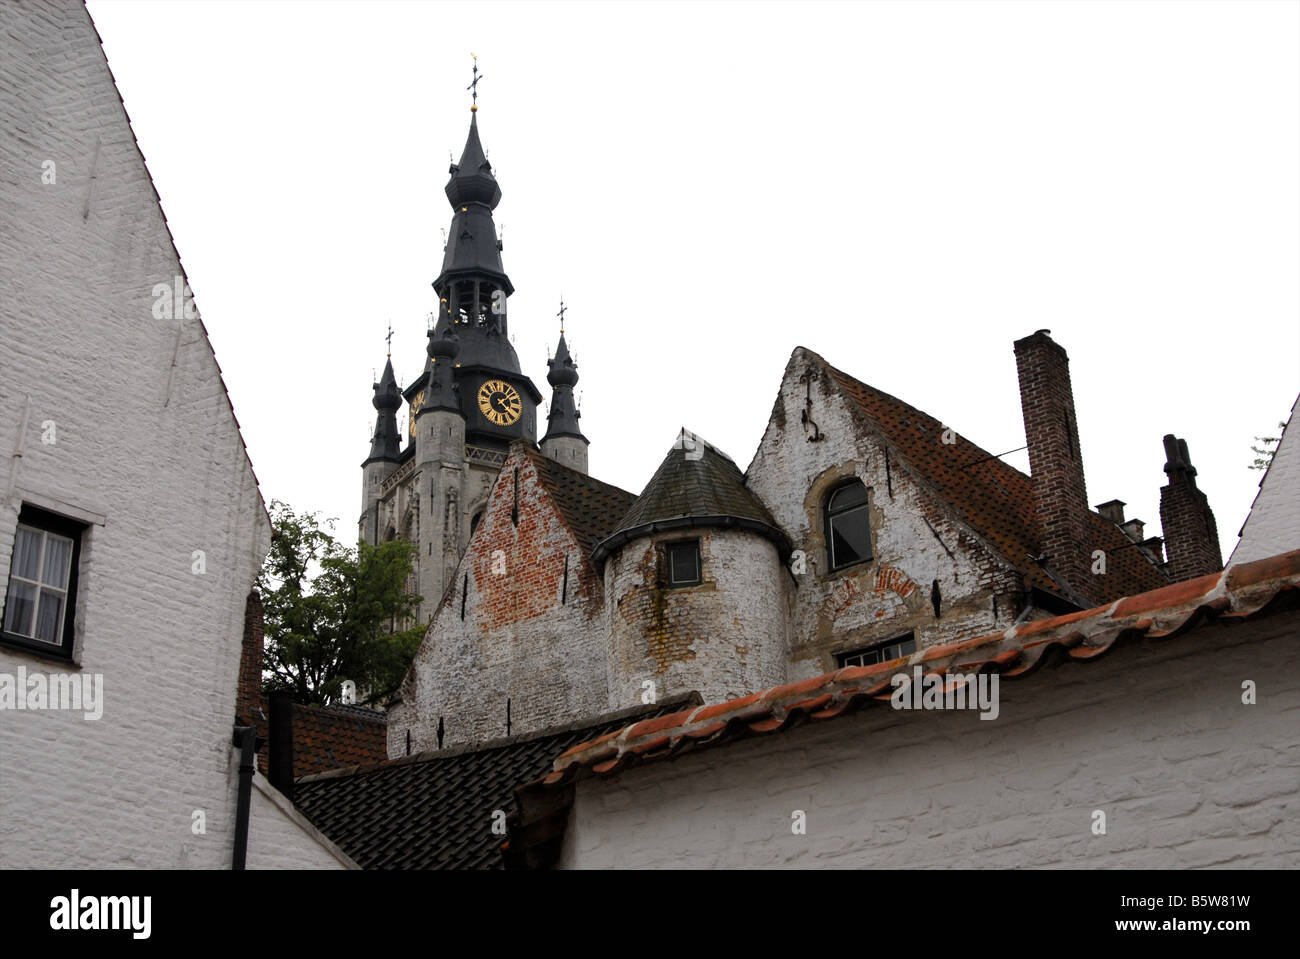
(1242, 593)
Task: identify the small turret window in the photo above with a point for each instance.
(684, 563)
(848, 526)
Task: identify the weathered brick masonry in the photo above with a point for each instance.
(522, 620)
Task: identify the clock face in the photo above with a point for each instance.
(499, 402)
(416, 403)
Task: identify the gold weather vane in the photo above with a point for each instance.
(474, 86)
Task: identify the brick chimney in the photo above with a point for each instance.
(248, 698)
(1191, 535)
(1055, 462)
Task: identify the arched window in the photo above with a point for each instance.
(473, 523)
(848, 526)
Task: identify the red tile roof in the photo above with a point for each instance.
(993, 499)
(1241, 593)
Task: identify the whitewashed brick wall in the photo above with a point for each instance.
(525, 636)
(877, 601)
(1155, 737)
(147, 443)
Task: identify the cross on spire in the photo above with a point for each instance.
(474, 85)
(561, 313)
(389, 339)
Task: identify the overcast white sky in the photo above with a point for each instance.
(905, 188)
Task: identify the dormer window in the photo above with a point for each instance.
(848, 526)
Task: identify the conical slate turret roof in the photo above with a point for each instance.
(696, 486)
(384, 445)
(562, 420)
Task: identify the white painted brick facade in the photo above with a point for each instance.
(276, 831)
(858, 606)
(1273, 525)
(1156, 737)
(147, 445)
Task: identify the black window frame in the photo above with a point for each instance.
(669, 549)
(44, 520)
(829, 515)
(876, 652)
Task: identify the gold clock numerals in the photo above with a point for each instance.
(499, 402)
(416, 404)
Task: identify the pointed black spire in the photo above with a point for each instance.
(473, 279)
(562, 420)
(471, 179)
(444, 345)
(387, 400)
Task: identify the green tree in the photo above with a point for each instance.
(335, 613)
(1264, 454)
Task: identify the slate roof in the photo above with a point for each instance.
(1238, 595)
(435, 810)
(994, 499)
(591, 509)
(695, 485)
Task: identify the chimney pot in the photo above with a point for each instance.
(1133, 529)
(1112, 511)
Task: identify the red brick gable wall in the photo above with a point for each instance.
(517, 558)
(512, 638)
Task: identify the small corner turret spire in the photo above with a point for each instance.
(564, 441)
(387, 400)
(444, 345)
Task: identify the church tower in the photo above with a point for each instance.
(469, 402)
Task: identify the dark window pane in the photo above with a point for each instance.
(684, 563)
(850, 537)
(872, 655)
(851, 495)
